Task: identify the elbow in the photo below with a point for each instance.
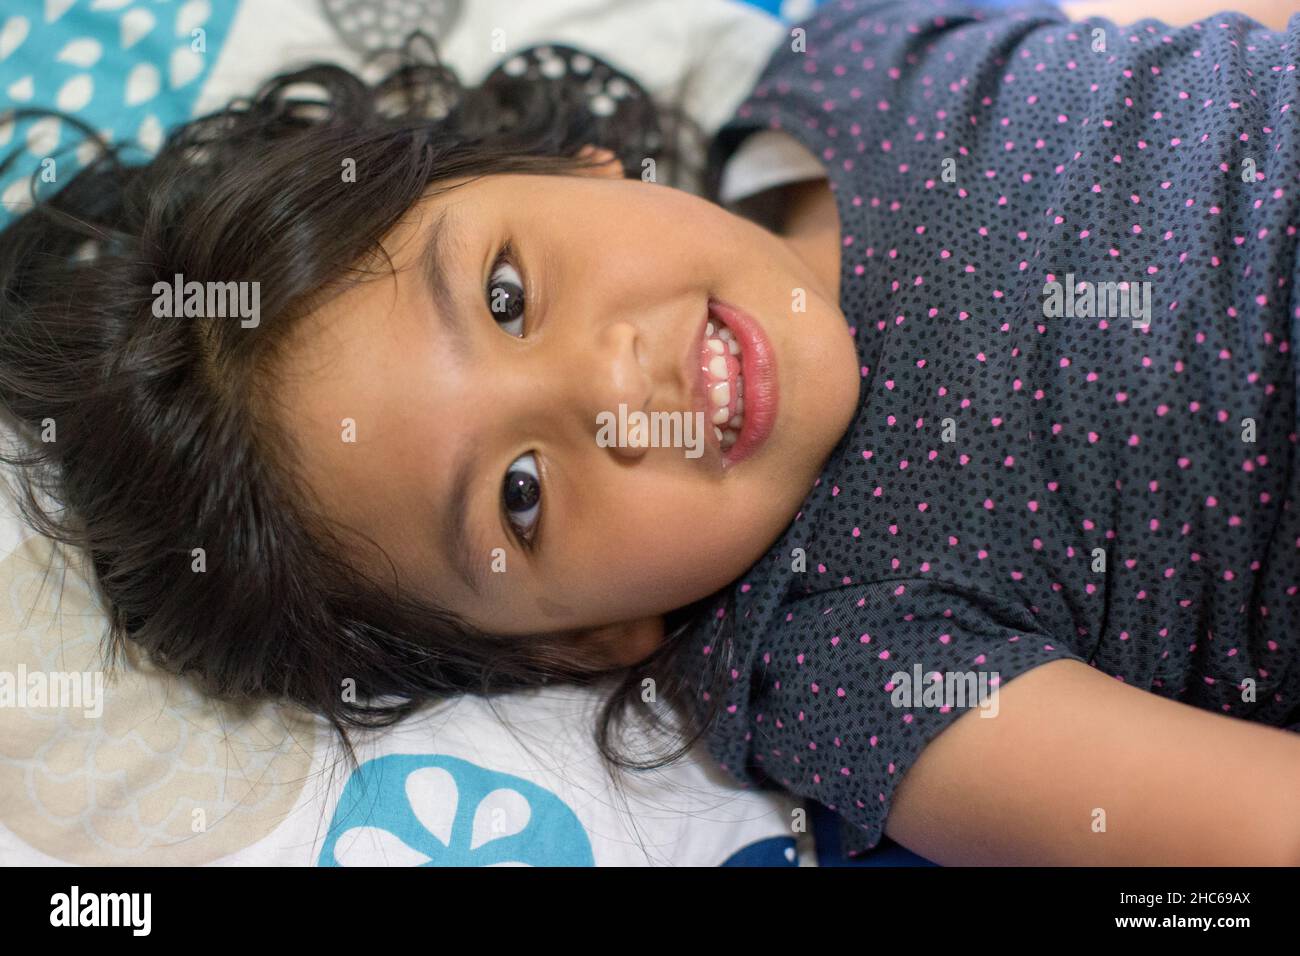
(1286, 851)
(1292, 858)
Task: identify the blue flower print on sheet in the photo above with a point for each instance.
(131, 69)
(788, 10)
(436, 810)
(774, 851)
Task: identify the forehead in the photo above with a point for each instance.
(354, 381)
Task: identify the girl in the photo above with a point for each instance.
(1001, 401)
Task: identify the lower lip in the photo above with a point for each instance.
(758, 366)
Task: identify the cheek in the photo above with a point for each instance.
(684, 539)
(658, 223)
(821, 386)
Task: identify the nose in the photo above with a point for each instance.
(614, 376)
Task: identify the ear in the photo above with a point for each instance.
(623, 644)
(610, 166)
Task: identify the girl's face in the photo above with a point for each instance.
(462, 433)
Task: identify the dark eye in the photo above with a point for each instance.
(522, 494)
(506, 296)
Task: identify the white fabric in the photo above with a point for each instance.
(765, 159)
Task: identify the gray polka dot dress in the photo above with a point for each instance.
(1069, 257)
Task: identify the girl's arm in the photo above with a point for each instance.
(1177, 785)
(1272, 13)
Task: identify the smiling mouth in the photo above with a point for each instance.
(737, 389)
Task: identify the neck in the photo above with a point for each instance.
(811, 227)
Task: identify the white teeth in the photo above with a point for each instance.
(728, 419)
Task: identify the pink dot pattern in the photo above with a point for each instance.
(1096, 497)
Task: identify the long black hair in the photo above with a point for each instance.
(143, 439)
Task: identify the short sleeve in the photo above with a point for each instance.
(885, 47)
(847, 691)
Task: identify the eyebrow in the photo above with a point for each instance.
(433, 267)
(459, 547)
